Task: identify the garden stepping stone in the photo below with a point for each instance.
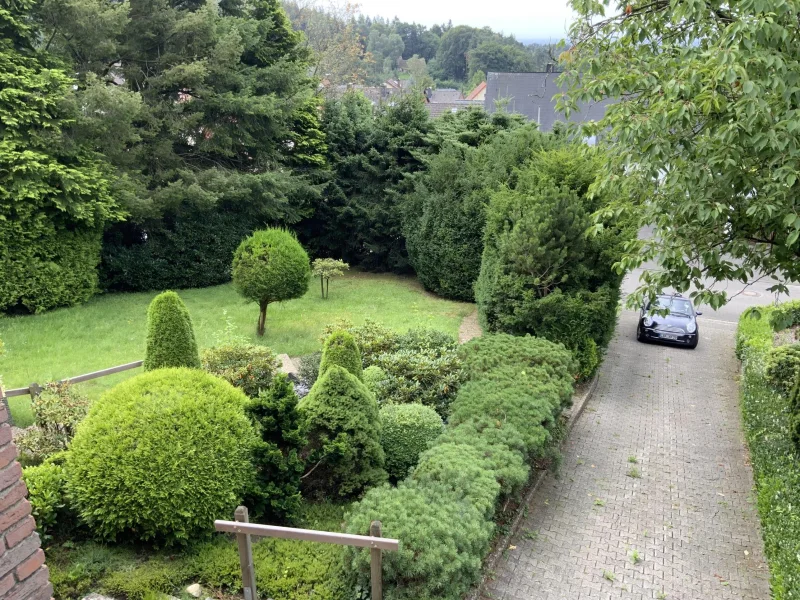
(195, 590)
(287, 365)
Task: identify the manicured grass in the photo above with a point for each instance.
(110, 330)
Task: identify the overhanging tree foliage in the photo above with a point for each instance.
(707, 134)
(54, 195)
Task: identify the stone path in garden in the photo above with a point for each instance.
(688, 508)
(470, 328)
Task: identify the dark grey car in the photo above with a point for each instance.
(678, 326)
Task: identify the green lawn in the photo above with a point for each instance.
(110, 330)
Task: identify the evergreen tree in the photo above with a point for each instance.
(54, 195)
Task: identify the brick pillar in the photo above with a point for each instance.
(23, 574)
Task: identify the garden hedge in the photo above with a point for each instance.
(443, 512)
(770, 420)
(160, 456)
(406, 431)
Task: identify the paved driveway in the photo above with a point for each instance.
(685, 506)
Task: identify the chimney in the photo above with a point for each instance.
(549, 68)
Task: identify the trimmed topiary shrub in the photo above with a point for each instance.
(783, 367)
(170, 335)
(406, 432)
(160, 456)
(46, 485)
(245, 366)
(462, 470)
(277, 455)
(344, 451)
(340, 349)
(270, 266)
(373, 377)
(442, 541)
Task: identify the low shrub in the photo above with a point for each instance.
(170, 335)
(769, 430)
(309, 367)
(46, 485)
(406, 432)
(57, 412)
(340, 349)
(783, 367)
(785, 315)
(461, 470)
(427, 340)
(160, 456)
(344, 451)
(422, 376)
(442, 541)
(277, 455)
(372, 338)
(245, 366)
(373, 376)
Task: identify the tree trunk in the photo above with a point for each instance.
(262, 319)
(328, 287)
(322, 286)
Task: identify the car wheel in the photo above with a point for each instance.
(693, 344)
(639, 334)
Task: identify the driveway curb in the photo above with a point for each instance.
(490, 564)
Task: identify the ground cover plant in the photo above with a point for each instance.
(110, 330)
(770, 419)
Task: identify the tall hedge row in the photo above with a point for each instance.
(771, 419)
(443, 512)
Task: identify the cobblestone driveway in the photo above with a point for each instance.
(685, 505)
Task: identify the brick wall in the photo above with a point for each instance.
(23, 574)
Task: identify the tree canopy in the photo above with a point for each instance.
(706, 134)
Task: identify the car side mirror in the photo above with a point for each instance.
(698, 312)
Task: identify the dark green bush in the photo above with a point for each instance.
(245, 366)
(372, 339)
(340, 349)
(309, 367)
(190, 250)
(461, 470)
(783, 367)
(424, 377)
(483, 354)
(427, 340)
(170, 335)
(56, 414)
(785, 315)
(406, 432)
(442, 541)
(277, 455)
(160, 456)
(46, 485)
(373, 376)
(344, 448)
(270, 266)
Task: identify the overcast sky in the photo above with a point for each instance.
(524, 18)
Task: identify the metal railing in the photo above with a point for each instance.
(244, 529)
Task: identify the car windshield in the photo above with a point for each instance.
(676, 306)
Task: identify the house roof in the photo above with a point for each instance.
(446, 95)
(437, 109)
(477, 91)
(531, 94)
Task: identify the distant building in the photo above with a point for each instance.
(479, 93)
(531, 94)
(437, 109)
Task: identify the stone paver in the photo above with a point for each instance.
(690, 514)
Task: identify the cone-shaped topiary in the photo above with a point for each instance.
(170, 336)
(340, 349)
(406, 432)
(344, 449)
(270, 266)
(160, 456)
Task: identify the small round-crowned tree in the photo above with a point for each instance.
(341, 349)
(270, 266)
(170, 335)
(160, 456)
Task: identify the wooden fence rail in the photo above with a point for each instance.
(35, 389)
(244, 529)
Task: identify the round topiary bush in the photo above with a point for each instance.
(170, 336)
(270, 266)
(160, 456)
(245, 366)
(340, 349)
(406, 431)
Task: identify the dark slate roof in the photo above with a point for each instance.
(437, 109)
(531, 94)
(446, 95)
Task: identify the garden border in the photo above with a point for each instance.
(490, 564)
